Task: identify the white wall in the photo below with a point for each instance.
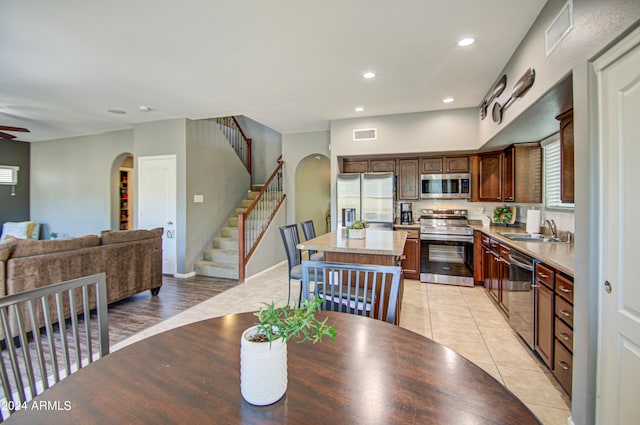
(70, 182)
(266, 147)
(295, 148)
(214, 171)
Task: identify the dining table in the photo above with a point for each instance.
(372, 373)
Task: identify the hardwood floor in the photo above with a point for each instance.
(142, 310)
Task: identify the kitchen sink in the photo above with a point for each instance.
(528, 237)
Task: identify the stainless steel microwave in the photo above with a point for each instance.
(445, 186)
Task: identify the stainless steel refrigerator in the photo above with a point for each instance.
(371, 194)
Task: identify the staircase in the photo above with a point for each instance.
(222, 260)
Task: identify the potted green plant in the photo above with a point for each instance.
(263, 348)
(357, 230)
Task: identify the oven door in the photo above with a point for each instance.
(446, 259)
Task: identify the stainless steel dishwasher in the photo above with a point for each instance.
(521, 296)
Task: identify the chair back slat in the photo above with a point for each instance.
(362, 289)
(27, 321)
(309, 231)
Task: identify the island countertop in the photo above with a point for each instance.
(376, 242)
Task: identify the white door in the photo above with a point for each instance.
(618, 381)
(157, 203)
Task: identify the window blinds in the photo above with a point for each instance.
(9, 174)
(552, 176)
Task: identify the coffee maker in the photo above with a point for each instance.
(406, 215)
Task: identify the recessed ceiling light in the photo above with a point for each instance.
(144, 108)
(359, 109)
(117, 111)
(369, 75)
(466, 42)
(447, 100)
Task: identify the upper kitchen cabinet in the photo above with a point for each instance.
(490, 177)
(350, 165)
(444, 164)
(512, 175)
(566, 156)
(522, 174)
(382, 165)
(366, 165)
(408, 179)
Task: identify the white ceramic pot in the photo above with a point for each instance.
(263, 369)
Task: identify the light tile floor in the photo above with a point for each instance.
(464, 319)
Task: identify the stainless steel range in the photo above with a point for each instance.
(446, 247)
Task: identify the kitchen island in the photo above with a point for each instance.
(380, 247)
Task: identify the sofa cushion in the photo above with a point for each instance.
(27, 248)
(119, 236)
(20, 230)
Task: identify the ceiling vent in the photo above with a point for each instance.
(364, 134)
(559, 28)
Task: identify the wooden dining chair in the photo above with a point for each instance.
(362, 289)
(309, 232)
(49, 333)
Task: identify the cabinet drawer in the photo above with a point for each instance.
(412, 234)
(563, 366)
(564, 287)
(564, 334)
(505, 252)
(564, 310)
(544, 275)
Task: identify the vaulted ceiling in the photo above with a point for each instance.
(292, 65)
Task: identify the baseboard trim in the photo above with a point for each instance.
(184, 276)
(264, 271)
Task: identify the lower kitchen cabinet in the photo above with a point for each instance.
(544, 313)
(411, 261)
(563, 346)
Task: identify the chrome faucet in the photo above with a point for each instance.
(552, 227)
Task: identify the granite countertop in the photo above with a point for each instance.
(556, 254)
(376, 242)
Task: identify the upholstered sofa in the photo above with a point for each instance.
(131, 260)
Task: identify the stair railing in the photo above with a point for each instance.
(239, 141)
(254, 222)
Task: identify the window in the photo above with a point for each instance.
(9, 174)
(552, 173)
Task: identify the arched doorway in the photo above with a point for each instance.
(313, 191)
(122, 191)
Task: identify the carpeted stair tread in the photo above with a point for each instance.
(221, 255)
(217, 269)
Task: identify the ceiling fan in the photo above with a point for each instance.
(4, 135)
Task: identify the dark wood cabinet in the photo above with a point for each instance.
(563, 345)
(478, 255)
(544, 313)
(493, 270)
(490, 176)
(508, 175)
(504, 276)
(411, 261)
(444, 164)
(512, 175)
(408, 179)
(566, 157)
(456, 164)
(355, 165)
(382, 166)
(432, 165)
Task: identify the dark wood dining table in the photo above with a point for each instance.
(373, 373)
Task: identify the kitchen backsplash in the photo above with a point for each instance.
(478, 210)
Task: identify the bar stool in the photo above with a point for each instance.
(310, 233)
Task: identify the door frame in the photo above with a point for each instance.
(603, 395)
(170, 244)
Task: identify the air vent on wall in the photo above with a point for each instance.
(365, 134)
(560, 27)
